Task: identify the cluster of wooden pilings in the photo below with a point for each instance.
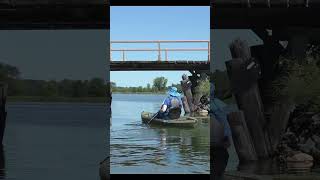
(255, 134)
(253, 138)
(191, 98)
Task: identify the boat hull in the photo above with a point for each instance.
(181, 122)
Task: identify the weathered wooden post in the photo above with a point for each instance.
(276, 114)
(243, 73)
(186, 88)
(185, 105)
(278, 122)
(3, 113)
(104, 170)
(241, 137)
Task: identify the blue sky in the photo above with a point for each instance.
(157, 23)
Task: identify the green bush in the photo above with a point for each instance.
(203, 87)
(300, 84)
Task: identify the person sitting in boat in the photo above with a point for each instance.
(171, 106)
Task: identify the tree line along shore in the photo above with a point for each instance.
(93, 90)
(19, 89)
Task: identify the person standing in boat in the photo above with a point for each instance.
(171, 106)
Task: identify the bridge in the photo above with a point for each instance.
(94, 14)
(54, 14)
(166, 63)
(248, 14)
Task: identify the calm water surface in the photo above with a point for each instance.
(138, 148)
(54, 141)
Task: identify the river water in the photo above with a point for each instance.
(137, 148)
(54, 141)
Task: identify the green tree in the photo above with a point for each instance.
(65, 88)
(52, 88)
(160, 83)
(178, 86)
(8, 72)
(300, 84)
(80, 89)
(97, 87)
(46, 88)
(203, 87)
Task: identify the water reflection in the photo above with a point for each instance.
(140, 148)
(191, 145)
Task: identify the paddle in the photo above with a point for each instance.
(154, 116)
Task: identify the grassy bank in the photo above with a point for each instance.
(56, 99)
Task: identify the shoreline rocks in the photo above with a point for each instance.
(299, 146)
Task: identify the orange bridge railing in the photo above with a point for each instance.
(159, 49)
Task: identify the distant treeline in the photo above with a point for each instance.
(96, 87)
(159, 86)
(141, 89)
(65, 88)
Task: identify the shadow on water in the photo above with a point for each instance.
(2, 164)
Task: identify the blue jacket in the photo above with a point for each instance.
(219, 112)
(168, 103)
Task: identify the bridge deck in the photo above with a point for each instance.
(161, 66)
(264, 17)
(54, 14)
(94, 14)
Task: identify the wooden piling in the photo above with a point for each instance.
(3, 113)
(104, 170)
(241, 137)
(185, 105)
(243, 78)
(276, 114)
(279, 122)
(186, 88)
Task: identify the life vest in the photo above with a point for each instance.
(173, 107)
(174, 102)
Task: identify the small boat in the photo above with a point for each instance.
(204, 119)
(202, 116)
(183, 121)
